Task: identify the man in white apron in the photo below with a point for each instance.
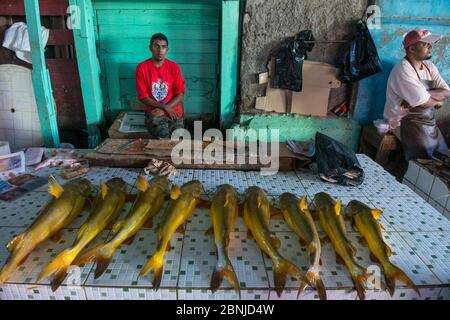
(415, 90)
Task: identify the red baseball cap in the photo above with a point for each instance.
(418, 35)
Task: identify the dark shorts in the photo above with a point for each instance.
(162, 127)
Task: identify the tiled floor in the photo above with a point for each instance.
(417, 233)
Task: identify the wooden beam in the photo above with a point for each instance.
(229, 63)
(82, 15)
(41, 78)
(47, 8)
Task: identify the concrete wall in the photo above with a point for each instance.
(267, 23)
(398, 17)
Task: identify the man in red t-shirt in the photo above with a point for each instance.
(160, 87)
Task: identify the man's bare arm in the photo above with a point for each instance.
(152, 103)
(175, 101)
(440, 94)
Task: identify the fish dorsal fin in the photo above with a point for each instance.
(227, 200)
(303, 204)
(54, 188)
(142, 184)
(117, 226)
(337, 207)
(259, 200)
(104, 190)
(376, 213)
(175, 192)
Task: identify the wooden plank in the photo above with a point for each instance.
(46, 7)
(176, 32)
(41, 79)
(179, 58)
(62, 65)
(159, 17)
(140, 46)
(229, 63)
(71, 80)
(166, 4)
(89, 70)
(113, 81)
(128, 70)
(60, 37)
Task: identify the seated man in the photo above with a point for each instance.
(415, 90)
(160, 87)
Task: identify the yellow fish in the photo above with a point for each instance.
(299, 219)
(66, 204)
(223, 212)
(257, 216)
(107, 206)
(365, 220)
(148, 203)
(181, 207)
(333, 224)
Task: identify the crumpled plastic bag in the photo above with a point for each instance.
(336, 162)
(289, 62)
(361, 59)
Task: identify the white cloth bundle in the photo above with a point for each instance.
(17, 40)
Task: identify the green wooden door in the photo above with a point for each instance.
(123, 32)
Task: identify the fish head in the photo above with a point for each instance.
(193, 187)
(84, 186)
(356, 207)
(161, 182)
(254, 190)
(321, 199)
(287, 198)
(117, 183)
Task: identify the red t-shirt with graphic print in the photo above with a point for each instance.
(160, 84)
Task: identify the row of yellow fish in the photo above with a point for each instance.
(69, 201)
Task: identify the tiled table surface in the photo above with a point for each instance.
(418, 234)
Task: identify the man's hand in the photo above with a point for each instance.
(172, 114)
(405, 104)
(136, 107)
(439, 105)
(157, 112)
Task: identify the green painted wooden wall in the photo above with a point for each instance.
(193, 28)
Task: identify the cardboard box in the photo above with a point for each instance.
(318, 80)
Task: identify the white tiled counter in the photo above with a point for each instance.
(418, 234)
(429, 187)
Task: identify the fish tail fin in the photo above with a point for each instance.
(284, 268)
(359, 277)
(9, 266)
(4, 274)
(58, 279)
(59, 265)
(101, 254)
(316, 282)
(224, 272)
(156, 264)
(392, 273)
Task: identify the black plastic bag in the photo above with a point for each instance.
(336, 162)
(361, 59)
(289, 62)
